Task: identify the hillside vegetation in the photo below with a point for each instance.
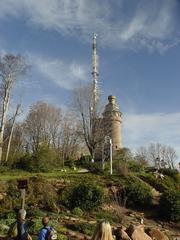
(122, 198)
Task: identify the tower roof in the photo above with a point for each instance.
(111, 106)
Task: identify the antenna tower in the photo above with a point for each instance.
(95, 75)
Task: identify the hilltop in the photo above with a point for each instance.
(76, 199)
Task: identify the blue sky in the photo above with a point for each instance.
(138, 47)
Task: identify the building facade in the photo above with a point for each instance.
(112, 123)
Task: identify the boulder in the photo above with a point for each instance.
(120, 233)
(2, 196)
(123, 235)
(156, 234)
(137, 233)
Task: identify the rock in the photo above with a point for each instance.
(121, 234)
(4, 227)
(156, 234)
(2, 196)
(155, 193)
(124, 235)
(137, 233)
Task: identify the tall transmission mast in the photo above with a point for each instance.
(95, 75)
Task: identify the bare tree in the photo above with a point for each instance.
(171, 156)
(141, 156)
(42, 125)
(10, 68)
(165, 153)
(91, 125)
(11, 131)
(70, 137)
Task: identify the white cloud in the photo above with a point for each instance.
(64, 74)
(142, 129)
(147, 23)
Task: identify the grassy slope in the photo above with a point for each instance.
(72, 177)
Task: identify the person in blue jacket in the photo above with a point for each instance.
(43, 233)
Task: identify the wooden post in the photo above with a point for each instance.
(22, 185)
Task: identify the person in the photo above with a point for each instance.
(19, 229)
(47, 232)
(103, 231)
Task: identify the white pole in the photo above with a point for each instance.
(110, 142)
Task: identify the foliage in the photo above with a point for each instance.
(134, 166)
(109, 216)
(4, 169)
(86, 196)
(77, 211)
(170, 205)
(41, 193)
(84, 161)
(124, 154)
(121, 167)
(69, 163)
(138, 194)
(173, 173)
(158, 184)
(84, 228)
(95, 168)
(43, 160)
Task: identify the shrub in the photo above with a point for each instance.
(4, 169)
(43, 160)
(69, 163)
(121, 167)
(42, 193)
(85, 228)
(135, 166)
(77, 211)
(138, 194)
(86, 196)
(170, 205)
(158, 184)
(95, 167)
(109, 216)
(173, 173)
(84, 161)
(65, 196)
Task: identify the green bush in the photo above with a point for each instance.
(43, 160)
(158, 184)
(77, 211)
(109, 216)
(69, 163)
(121, 167)
(84, 228)
(42, 193)
(85, 196)
(65, 197)
(95, 167)
(170, 205)
(173, 173)
(84, 161)
(135, 166)
(4, 169)
(151, 180)
(138, 194)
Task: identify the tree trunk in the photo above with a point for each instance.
(3, 119)
(11, 133)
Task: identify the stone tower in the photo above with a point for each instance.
(112, 123)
